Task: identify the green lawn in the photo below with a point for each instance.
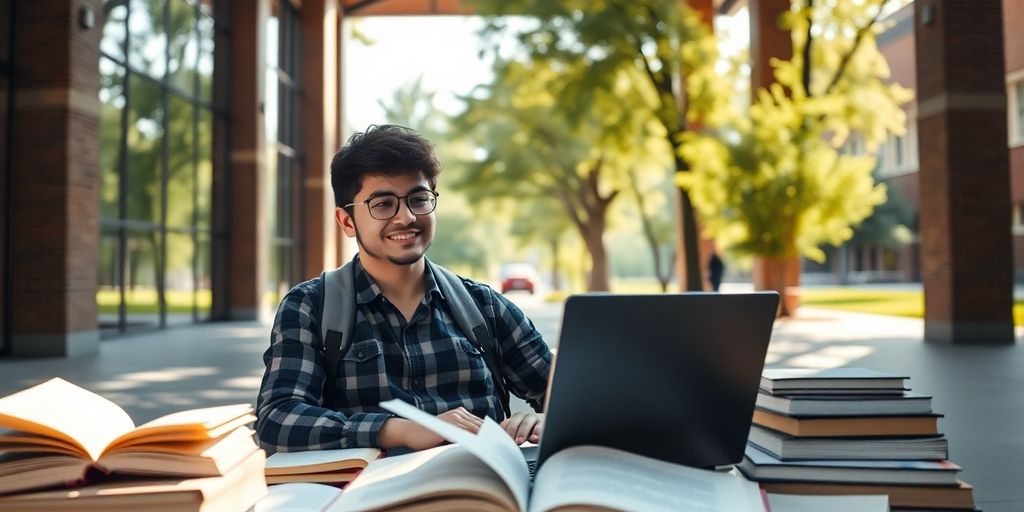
(862, 300)
(144, 301)
(882, 302)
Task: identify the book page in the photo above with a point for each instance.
(297, 496)
(492, 445)
(63, 410)
(287, 463)
(193, 424)
(603, 477)
(448, 472)
(794, 503)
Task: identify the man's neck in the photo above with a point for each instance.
(399, 283)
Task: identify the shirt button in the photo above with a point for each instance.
(360, 354)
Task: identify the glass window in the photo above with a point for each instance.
(207, 38)
(179, 280)
(147, 42)
(142, 295)
(203, 293)
(204, 170)
(112, 99)
(284, 158)
(145, 150)
(157, 186)
(181, 149)
(109, 278)
(183, 46)
(1019, 111)
(115, 29)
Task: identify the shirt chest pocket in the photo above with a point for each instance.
(362, 380)
(363, 351)
(468, 358)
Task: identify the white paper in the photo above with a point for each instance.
(315, 457)
(297, 497)
(793, 503)
(491, 445)
(602, 477)
(448, 470)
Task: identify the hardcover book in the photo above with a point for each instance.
(787, 447)
(760, 466)
(60, 434)
(835, 380)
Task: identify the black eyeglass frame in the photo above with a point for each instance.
(398, 201)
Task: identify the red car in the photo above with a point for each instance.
(518, 276)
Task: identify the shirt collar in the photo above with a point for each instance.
(367, 290)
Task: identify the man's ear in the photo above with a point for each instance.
(346, 222)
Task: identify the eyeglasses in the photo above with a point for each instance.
(385, 206)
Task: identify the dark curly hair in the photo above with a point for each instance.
(382, 150)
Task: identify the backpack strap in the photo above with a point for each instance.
(466, 313)
(337, 316)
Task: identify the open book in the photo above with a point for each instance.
(327, 466)
(60, 434)
(487, 471)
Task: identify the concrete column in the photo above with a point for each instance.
(247, 213)
(55, 172)
(967, 258)
(320, 103)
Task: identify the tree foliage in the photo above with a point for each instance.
(772, 181)
(459, 242)
(659, 46)
(533, 151)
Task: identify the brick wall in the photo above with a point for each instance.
(966, 250)
(55, 171)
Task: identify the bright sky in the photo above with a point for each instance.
(441, 49)
(444, 50)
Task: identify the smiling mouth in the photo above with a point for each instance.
(401, 236)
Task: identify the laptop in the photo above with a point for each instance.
(670, 376)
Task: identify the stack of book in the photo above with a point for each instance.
(851, 431)
(65, 448)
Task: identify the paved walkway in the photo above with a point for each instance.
(979, 389)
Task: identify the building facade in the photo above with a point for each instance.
(898, 161)
(164, 162)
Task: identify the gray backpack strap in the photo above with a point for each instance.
(337, 316)
(466, 313)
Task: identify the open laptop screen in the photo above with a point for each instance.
(670, 376)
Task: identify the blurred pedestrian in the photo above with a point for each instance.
(716, 267)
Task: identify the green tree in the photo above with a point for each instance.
(462, 245)
(531, 150)
(660, 44)
(771, 181)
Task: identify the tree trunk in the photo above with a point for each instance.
(781, 275)
(598, 280)
(690, 269)
(556, 278)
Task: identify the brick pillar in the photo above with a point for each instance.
(55, 172)
(319, 28)
(767, 40)
(967, 258)
(247, 214)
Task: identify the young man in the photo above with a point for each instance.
(405, 343)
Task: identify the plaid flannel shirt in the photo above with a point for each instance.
(426, 361)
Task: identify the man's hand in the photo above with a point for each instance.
(524, 426)
(401, 432)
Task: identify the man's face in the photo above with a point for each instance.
(400, 240)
